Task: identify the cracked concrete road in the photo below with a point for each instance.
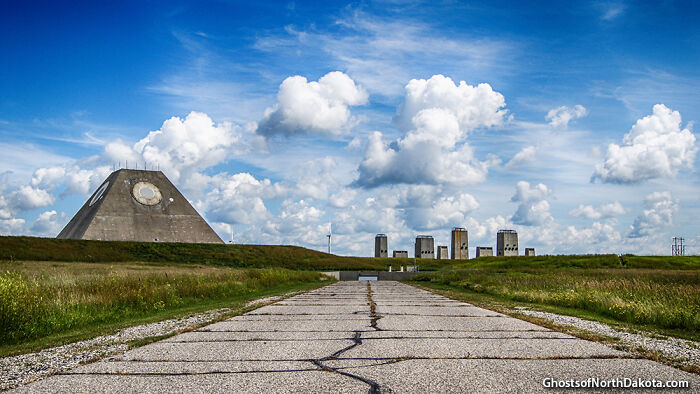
(361, 337)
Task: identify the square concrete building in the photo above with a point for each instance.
(442, 253)
(425, 247)
(529, 251)
(484, 251)
(507, 243)
(401, 254)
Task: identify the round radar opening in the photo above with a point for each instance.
(99, 193)
(146, 193)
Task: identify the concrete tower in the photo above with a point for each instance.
(380, 246)
(425, 247)
(507, 243)
(139, 205)
(460, 244)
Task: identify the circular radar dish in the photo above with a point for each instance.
(146, 193)
(99, 193)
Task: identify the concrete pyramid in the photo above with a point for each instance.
(139, 205)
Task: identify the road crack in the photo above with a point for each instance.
(373, 386)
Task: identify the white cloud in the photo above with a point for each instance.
(28, 197)
(436, 117)
(599, 238)
(444, 211)
(655, 147)
(342, 198)
(533, 208)
(603, 212)
(320, 108)
(181, 147)
(298, 223)
(11, 226)
(525, 156)
(369, 215)
(660, 208)
(239, 199)
(48, 224)
(470, 106)
(561, 116)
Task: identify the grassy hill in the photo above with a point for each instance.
(241, 256)
(298, 258)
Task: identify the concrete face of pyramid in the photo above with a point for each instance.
(139, 205)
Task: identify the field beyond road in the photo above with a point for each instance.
(665, 301)
(53, 291)
(45, 304)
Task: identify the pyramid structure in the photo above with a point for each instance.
(139, 205)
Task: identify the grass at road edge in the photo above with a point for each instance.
(237, 304)
(508, 307)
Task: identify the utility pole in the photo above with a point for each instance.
(330, 234)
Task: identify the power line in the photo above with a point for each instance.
(678, 249)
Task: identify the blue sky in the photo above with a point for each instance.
(572, 125)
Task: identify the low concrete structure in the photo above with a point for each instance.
(401, 254)
(375, 275)
(529, 251)
(139, 205)
(507, 243)
(380, 246)
(442, 253)
(460, 244)
(425, 247)
(484, 251)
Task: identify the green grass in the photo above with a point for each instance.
(581, 261)
(241, 256)
(659, 300)
(46, 304)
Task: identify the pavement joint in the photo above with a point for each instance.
(372, 308)
(396, 339)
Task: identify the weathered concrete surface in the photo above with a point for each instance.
(358, 337)
(113, 213)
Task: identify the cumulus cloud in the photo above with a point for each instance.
(603, 212)
(369, 215)
(11, 226)
(27, 197)
(598, 238)
(534, 208)
(436, 116)
(470, 106)
(525, 156)
(446, 211)
(320, 108)
(23, 198)
(298, 223)
(181, 147)
(48, 224)
(427, 207)
(561, 116)
(655, 147)
(239, 199)
(660, 208)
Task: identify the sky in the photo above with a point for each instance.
(572, 123)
